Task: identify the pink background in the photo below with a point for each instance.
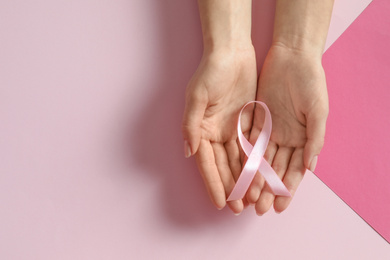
(91, 163)
(355, 160)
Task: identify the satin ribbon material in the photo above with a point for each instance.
(256, 161)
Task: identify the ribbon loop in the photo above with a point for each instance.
(256, 161)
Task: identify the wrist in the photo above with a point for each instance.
(226, 24)
(295, 57)
(299, 46)
(302, 25)
(232, 46)
(223, 60)
(237, 52)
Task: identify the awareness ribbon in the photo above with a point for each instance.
(256, 161)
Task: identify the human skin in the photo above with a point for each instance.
(224, 81)
(292, 83)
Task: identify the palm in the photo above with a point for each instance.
(226, 96)
(223, 84)
(292, 87)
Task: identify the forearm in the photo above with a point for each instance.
(226, 24)
(302, 25)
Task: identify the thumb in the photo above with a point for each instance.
(315, 132)
(195, 107)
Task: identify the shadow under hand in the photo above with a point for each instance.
(156, 142)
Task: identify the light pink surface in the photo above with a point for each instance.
(344, 13)
(91, 163)
(355, 161)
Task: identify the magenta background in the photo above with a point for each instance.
(91, 163)
(355, 161)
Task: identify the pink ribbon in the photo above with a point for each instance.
(256, 161)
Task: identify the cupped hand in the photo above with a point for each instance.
(222, 84)
(292, 84)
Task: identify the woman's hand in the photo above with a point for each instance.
(224, 81)
(292, 84)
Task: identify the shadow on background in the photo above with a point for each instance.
(156, 142)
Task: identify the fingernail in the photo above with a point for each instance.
(277, 212)
(187, 149)
(313, 163)
(258, 214)
(237, 214)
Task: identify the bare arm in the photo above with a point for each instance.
(293, 85)
(302, 25)
(224, 81)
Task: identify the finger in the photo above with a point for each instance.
(243, 157)
(315, 131)
(222, 162)
(292, 178)
(247, 120)
(280, 165)
(243, 160)
(195, 107)
(246, 127)
(206, 163)
(253, 193)
(234, 158)
(257, 124)
(245, 202)
(257, 184)
(270, 153)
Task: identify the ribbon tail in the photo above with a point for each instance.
(273, 180)
(246, 177)
(241, 187)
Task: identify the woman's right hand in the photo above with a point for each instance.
(224, 81)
